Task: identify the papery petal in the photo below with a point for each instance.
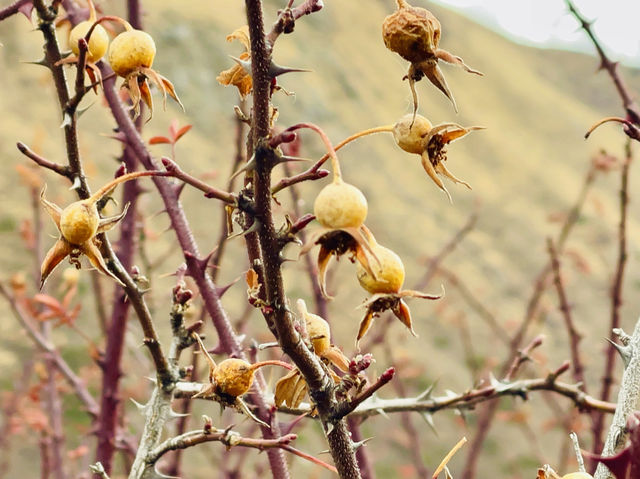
(299, 392)
(242, 35)
(93, 253)
(95, 76)
(107, 223)
(238, 77)
(59, 251)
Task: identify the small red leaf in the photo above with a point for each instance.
(47, 300)
(156, 140)
(182, 131)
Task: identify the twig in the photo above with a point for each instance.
(320, 384)
(288, 16)
(41, 161)
(627, 398)
(629, 105)
(406, 417)
(238, 159)
(209, 191)
(466, 400)
(474, 303)
(574, 335)
(434, 262)
(197, 266)
(364, 459)
(346, 408)
(10, 409)
(226, 436)
(485, 418)
(616, 298)
(12, 9)
(111, 366)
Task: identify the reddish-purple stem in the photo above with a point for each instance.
(616, 302)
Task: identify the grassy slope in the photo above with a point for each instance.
(536, 105)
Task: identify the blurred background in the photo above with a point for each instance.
(538, 96)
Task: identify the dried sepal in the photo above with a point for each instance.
(58, 252)
(336, 243)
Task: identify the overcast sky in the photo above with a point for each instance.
(548, 23)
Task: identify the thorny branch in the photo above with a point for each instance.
(541, 282)
(627, 397)
(574, 335)
(611, 67)
(320, 385)
(466, 400)
(14, 8)
(616, 298)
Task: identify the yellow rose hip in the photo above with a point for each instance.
(131, 50)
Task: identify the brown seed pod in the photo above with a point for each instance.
(411, 32)
(233, 377)
(414, 34)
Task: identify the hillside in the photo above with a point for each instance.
(527, 165)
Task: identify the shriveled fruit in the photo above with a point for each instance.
(98, 42)
(389, 272)
(79, 222)
(414, 34)
(233, 377)
(411, 32)
(340, 205)
(411, 134)
(131, 50)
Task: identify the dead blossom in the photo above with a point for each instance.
(236, 75)
(131, 56)
(79, 224)
(386, 288)
(417, 135)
